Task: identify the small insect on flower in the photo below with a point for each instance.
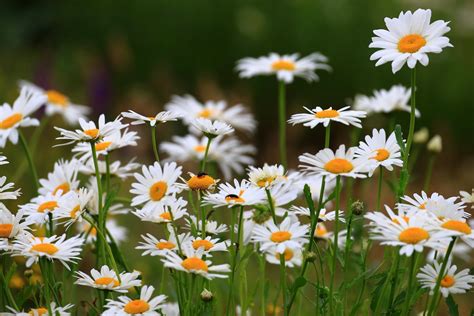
(242, 193)
(212, 129)
(193, 262)
(409, 39)
(63, 177)
(145, 305)
(285, 67)
(451, 283)
(201, 181)
(161, 117)
(106, 279)
(322, 116)
(51, 248)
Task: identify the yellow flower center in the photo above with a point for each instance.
(338, 165)
(265, 181)
(5, 230)
(47, 206)
(458, 226)
(327, 114)
(381, 155)
(422, 206)
(151, 118)
(413, 235)
(234, 198)
(102, 146)
(136, 307)
(198, 243)
(200, 148)
(48, 248)
(74, 211)
(321, 231)
(10, 121)
(288, 254)
(447, 281)
(93, 133)
(165, 245)
(283, 65)
(201, 181)
(40, 311)
(206, 113)
(57, 98)
(106, 281)
(194, 263)
(63, 187)
(280, 236)
(411, 43)
(166, 216)
(158, 190)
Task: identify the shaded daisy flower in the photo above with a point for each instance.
(266, 176)
(324, 215)
(40, 207)
(161, 117)
(106, 279)
(63, 177)
(4, 193)
(43, 310)
(322, 116)
(467, 197)
(293, 257)
(212, 129)
(145, 305)
(289, 234)
(11, 226)
(166, 212)
(208, 244)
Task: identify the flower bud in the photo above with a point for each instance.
(421, 136)
(206, 295)
(311, 256)
(435, 144)
(358, 208)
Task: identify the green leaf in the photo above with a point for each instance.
(299, 282)
(399, 136)
(452, 306)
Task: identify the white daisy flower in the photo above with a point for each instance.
(153, 246)
(3, 160)
(11, 226)
(208, 244)
(258, 216)
(281, 194)
(459, 250)
(4, 193)
(116, 168)
(212, 129)
(43, 310)
(40, 207)
(289, 234)
(90, 131)
(242, 193)
(72, 205)
(51, 248)
(293, 257)
(324, 215)
(451, 283)
(166, 212)
(145, 305)
(63, 177)
(155, 184)
(460, 227)
(383, 151)
(322, 116)
(378, 220)
(321, 232)
(332, 164)
(170, 309)
(446, 208)
(161, 117)
(266, 176)
(58, 103)
(193, 263)
(106, 279)
(417, 202)
(285, 67)
(212, 227)
(190, 108)
(409, 39)
(467, 197)
(119, 233)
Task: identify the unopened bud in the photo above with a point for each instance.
(421, 136)
(358, 208)
(311, 256)
(435, 144)
(206, 295)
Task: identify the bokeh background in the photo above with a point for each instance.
(122, 54)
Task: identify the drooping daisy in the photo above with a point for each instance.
(153, 246)
(90, 131)
(116, 169)
(170, 210)
(43, 310)
(13, 117)
(155, 184)
(293, 257)
(289, 234)
(467, 197)
(383, 151)
(41, 207)
(11, 226)
(212, 227)
(106, 279)
(72, 205)
(322, 116)
(212, 129)
(451, 283)
(58, 103)
(145, 305)
(409, 39)
(51, 248)
(285, 67)
(324, 215)
(242, 193)
(161, 117)
(63, 177)
(193, 263)
(4, 193)
(332, 164)
(266, 176)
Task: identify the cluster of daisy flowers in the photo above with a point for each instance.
(211, 220)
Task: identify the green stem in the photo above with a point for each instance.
(107, 174)
(392, 272)
(394, 280)
(234, 261)
(34, 174)
(4, 282)
(206, 152)
(271, 205)
(101, 220)
(261, 259)
(379, 189)
(203, 215)
(283, 280)
(406, 307)
(282, 122)
(47, 289)
(411, 130)
(335, 246)
(429, 170)
(153, 142)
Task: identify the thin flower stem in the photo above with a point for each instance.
(234, 261)
(203, 215)
(394, 280)
(34, 173)
(406, 307)
(429, 170)
(271, 205)
(379, 188)
(335, 246)
(391, 274)
(261, 260)
(47, 289)
(282, 121)
(153, 142)
(206, 152)
(101, 220)
(283, 280)
(411, 130)
(107, 174)
(3, 281)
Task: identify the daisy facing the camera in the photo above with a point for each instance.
(106, 279)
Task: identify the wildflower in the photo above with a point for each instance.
(201, 181)
(161, 117)
(166, 212)
(4, 193)
(324, 215)
(293, 257)
(435, 144)
(212, 227)
(72, 205)
(154, 247)
(322, 116)
(289, 234)
(43, 310)
(266, 176)
(239, 194)
(451, 283)
(106, 279)
(467, 197)
(208, 244)
(212, 129)
(41, 207)
(145, 305)
(63, 178)
(11, 226)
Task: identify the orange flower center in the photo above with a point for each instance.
(92, 133)
(5, 230)
(288, 254)
(200, 148)
(165, 245)
(57, 98)
(198, 243)
(10, 121)
(381, 155)
(265, 181)
(194, 263)
(47, 206)
(48, 248)
(283, 65)
(411, 43)
(234, 198)
(422, 206)
(327, 114)
(447, 281)
(321, 231)
(166, 216)
(102, 146)
(338, 165)
(63, 187)
(201, 182)
(74, 211)
(136, 307)
(280, 236)
(458, 226)
(158, 190)
(413, 235)
(206, 113)
(107, 281)
(40, 311)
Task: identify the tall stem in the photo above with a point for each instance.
(271, 205)
(101, 220)
(34, 174)
(153, 142)
(283, 280)
(261, 259)
(411, 130)
(406, 307)
(379, 189)
(204, 160)
(429, 170)
(282, 121)
(335, 245)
